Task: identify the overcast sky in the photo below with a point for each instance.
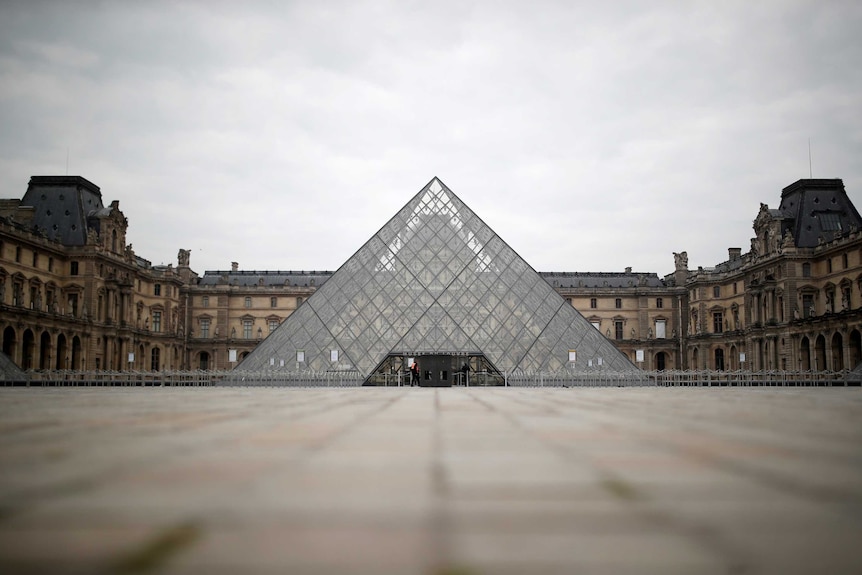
(590, 136)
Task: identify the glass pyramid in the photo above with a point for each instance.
(436, 280)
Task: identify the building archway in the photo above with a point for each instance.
(855, 349)
(45, 351)
(719, 359)
(820, 353)
(694, 359)
(837, 351)
(28, 347)
(61, 361)
(76, 352)
(661, 361)
(204, 361)
(155, 359)
(805, 354)
(10, 342)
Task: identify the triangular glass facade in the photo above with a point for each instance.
(436, 280)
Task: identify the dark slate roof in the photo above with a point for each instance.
(602, 279)
(305, 279)
(61, 206)
(266, 278)
(816, 210)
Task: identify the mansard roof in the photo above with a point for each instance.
(816, 211)
(61, 206)
(265, 278)
(602, 279)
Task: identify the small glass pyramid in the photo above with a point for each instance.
(435, 281)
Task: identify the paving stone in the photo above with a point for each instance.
(437, 482)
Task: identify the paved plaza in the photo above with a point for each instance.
(431, 481)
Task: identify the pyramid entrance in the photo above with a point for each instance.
(436, 281)
(437, 370)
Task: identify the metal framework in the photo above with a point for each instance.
(436, 278)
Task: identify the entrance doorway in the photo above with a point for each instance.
(436, 370)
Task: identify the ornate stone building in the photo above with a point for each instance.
(236, 310)
(794, 301)
(73, 295)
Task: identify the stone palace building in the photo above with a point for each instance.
(74, 295)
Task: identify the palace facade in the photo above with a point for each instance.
(74, 295)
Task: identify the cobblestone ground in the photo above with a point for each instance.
(433, 482)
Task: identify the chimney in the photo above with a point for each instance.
(234, 266)
(628, 270)
(734, 253)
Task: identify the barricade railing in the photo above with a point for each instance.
(748, 378)
(352, 378)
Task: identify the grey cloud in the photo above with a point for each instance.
(283, 135)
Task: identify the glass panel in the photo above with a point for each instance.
(435, 277)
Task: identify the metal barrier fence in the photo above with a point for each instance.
(701, 378)
(586, 379)
(744, 378)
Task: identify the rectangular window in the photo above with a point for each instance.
(829, 265)
(73, 268)
(618, 329)
(593, 303)
(734, 288)
(248, 302)
(18, 255)
(205, 301)
(717, 322)
(246, 328)
(659, 303)
(273, 302)
(845, 261)
(716, 291)
(618, 303)
(806, 270)
(205, 327)
(157, 321)
(50, 264)
(157, 289)
(273, 323)
(660, 329)
(35, 260)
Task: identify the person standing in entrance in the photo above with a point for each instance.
(414, 374)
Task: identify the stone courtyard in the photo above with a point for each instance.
(460, 481)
